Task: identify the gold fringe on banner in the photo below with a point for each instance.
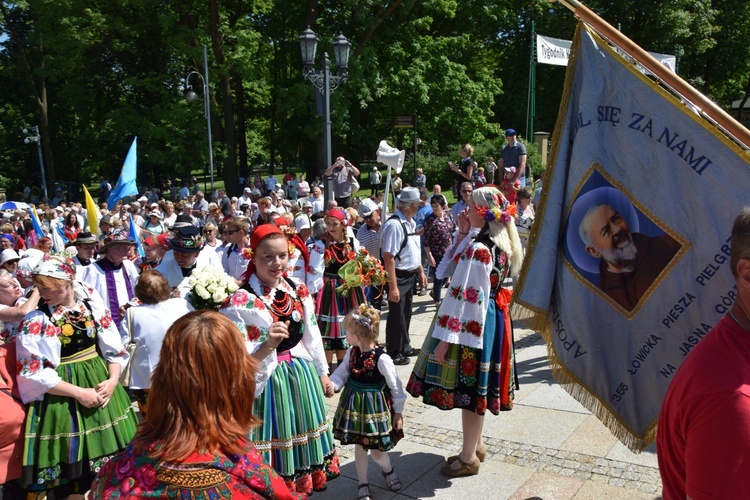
(539, 318)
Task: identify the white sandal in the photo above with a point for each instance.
(392, 480)
(366, 495)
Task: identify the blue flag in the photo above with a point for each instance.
(126, 183)
(61, 233)
(627, 264)
(35, 222)
(138, 245)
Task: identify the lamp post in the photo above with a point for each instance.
(38, 139)
(191, 96)
(325, 83)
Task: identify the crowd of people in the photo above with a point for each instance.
(85, 315)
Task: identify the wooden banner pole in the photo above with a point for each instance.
(671, 79)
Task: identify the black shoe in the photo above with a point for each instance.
(400, 360)
(411, 352)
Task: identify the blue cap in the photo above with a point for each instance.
(510, 131)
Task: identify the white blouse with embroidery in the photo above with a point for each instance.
(253, 318)
(463, 312)
(38, 345)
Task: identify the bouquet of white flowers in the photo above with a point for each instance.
(209, 288)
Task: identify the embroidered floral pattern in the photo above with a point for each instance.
(457, 325)
(30, 365)
(254, 333)
(247, 476)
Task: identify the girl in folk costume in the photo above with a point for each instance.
(466, 361)
(277, 317)
(79, 414)
(299, 256)
(370, 407)
(337, 249)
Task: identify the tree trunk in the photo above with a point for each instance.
(217, 43)
(38, 88)
(241, 127)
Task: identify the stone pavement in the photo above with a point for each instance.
(548, 447)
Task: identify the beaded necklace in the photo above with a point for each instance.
(338, 252)
(280, 300)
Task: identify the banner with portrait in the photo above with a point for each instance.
(629, 267)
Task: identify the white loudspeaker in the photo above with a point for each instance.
(391, 156)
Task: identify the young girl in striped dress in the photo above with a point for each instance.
(369, 411)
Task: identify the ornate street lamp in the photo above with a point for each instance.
(325, 83)
(32, 135)
(191, 96)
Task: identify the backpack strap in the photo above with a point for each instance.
(406, 235)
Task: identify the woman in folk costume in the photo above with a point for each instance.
(277, 317)
(331, 308)
(466, 361)
(79, 415)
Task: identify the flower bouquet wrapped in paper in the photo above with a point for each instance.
(209, 288)
(363, 270)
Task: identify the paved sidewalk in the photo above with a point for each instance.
(548, 447)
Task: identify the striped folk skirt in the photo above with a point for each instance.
(331, 308)
(469, 379)
(295, 436)
(365, 417)
(67, 443)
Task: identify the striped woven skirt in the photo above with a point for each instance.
(67, 443)
(469, 379)
(295, 436)
(331, 308)
(364, 417)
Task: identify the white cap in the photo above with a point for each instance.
(302, 222)
(366, 207)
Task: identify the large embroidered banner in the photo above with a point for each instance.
(629, 268)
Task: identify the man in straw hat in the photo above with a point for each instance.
(186, 254)
(85, 245)
(113, 276)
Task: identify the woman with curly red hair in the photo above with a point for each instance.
(193, 442)
(466, 361)
(276, 315)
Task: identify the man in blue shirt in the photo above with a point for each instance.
(513, 154)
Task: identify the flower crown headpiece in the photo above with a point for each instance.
(361, 319)
(503, 212)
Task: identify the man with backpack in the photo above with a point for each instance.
(402, 258)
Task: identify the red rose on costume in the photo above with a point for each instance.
(455, 291)
(253, 332)
(106, 320)
(481, 405)
(304, 484)
(318, 480)
(34, 365)
(495, 405)
(259, 304)
(469, 252)
(291, 485)
(448, 401)
(334, 467)
(369, 364)
(454, 324)
(145, 475)
(35, 328)
(52, 330)
(437, 397)
(240, 298)
(471, 295)
(483, 255)
(303, 292)
(443, 321)
(124, 468)
(469, 367)
(474, 328)
(258, 483)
